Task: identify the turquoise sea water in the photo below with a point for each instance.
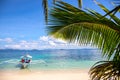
(51, 59)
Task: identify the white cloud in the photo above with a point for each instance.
(8, 40)
(23, 41)
(23, 45)
(44, 38)
(52, 43)
(48, 38)
(44, 42)
(61, 41)
(15, 46)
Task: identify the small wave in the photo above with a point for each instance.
(10, 61)
(38, 61)
(16, 61)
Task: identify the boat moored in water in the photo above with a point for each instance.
(25, 61)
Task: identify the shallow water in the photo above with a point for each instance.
(51, 59)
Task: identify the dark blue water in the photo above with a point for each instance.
(51, 59)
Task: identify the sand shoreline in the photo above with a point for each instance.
(74, 74)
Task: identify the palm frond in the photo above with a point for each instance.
(114, 11)
(80, 3)
(113, 17)
(105, 70)
(45, 5)
(55, 1)
(75, 25)
(89, 27)
(116, 1)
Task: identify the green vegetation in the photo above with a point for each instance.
(89, 27)
(116, 9)
(45, 5)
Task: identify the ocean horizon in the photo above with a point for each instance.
(50, 59)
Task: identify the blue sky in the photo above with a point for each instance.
(22, 25)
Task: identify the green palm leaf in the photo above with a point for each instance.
(75, 25)
(46, 6)
(105, 70)
(80, 3)
(89, 27)
(114, 11)
(117, 20)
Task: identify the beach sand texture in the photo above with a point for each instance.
(45, 75)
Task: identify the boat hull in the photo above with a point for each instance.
(24, 65)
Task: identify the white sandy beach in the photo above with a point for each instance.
(45, 75)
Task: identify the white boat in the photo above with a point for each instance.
(25, 61)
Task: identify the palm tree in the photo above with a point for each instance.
(89, 27)
(45, 5)
(116, 9)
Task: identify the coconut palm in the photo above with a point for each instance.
(106, 70)
(45, 5)
(116, 9)
(89, 27)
